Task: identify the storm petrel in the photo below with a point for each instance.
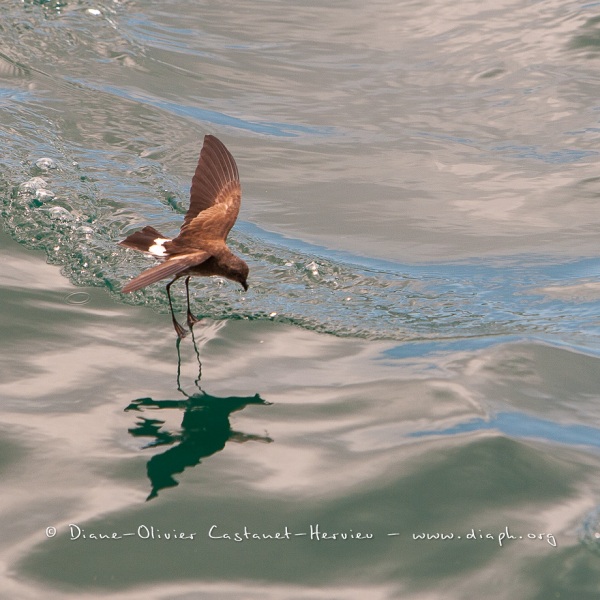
(200, 247)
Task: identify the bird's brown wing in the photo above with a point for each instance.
(215, 195)
(169, 268)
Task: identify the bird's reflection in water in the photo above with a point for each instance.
(205, 429)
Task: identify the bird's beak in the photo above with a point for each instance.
(245, 286)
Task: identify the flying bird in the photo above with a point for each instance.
(200, 248)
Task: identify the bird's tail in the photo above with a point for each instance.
(145, 239)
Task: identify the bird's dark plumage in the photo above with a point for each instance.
(200, 247)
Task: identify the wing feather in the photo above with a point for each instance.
(216, 180)
(169, 268)
(215, 198)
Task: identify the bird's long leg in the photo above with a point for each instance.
(179, 330)
(191, 319)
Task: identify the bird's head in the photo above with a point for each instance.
(237, 270)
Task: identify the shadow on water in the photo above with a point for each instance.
(205, 429)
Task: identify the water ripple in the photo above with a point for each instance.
(292, 281)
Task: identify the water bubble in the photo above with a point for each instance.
(43, 194)
(45, 163)
(86, 230)
(78, 298)
(313, 267)
(58, 212)
(93, 11)
(32, 185)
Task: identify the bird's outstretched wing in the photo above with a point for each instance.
(169, 268)
(215, 195)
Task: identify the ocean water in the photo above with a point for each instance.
(406, 402)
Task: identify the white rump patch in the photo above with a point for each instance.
(158, 249)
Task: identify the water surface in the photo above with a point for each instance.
(417, 354)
